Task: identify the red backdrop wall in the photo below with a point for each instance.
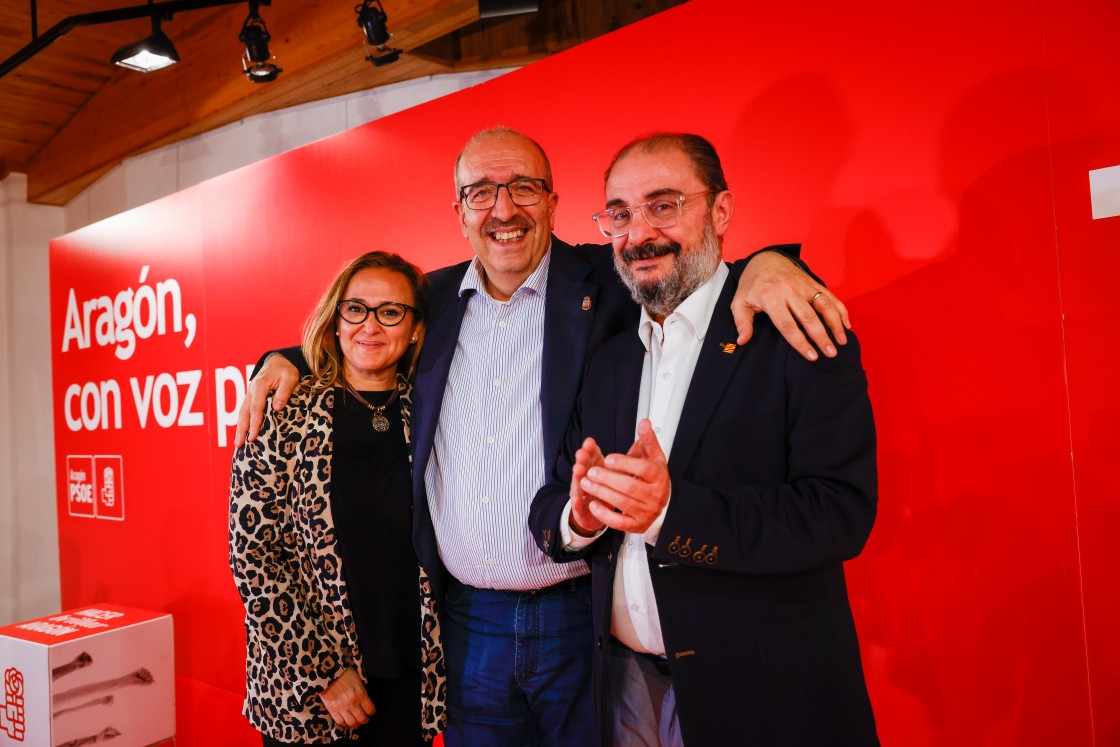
(934, 162)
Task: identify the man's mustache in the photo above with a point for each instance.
(494, 224)
(649, 251)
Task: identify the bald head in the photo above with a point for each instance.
(495, 137)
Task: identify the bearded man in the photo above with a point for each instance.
(714, 489)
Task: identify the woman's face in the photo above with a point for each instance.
(370, 350)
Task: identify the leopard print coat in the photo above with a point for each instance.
(300, 633)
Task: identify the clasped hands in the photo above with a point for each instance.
(626, 492)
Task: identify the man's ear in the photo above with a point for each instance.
(722, 209)
(553, 198)
(461, 213)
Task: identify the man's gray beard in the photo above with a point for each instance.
(691, 269)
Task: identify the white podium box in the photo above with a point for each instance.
(100, 674)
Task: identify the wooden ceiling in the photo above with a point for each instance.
(67, 116)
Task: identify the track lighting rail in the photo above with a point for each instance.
(163, 9)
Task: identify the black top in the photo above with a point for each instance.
(370, 500)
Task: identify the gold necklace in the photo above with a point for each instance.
(379, 422)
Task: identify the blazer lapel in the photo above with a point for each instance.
(627, 389)
(719, 358)
(569, 312)
(441, 337)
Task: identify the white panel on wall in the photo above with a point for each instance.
(28, 538)
(1104, 191)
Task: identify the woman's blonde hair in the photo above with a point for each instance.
(320, 343)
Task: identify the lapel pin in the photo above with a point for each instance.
(586, 303)
(728, 347)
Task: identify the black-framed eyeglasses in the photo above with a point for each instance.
(484, 195)
(664, 212)
(388, 314)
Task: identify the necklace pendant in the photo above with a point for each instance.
(379, 422)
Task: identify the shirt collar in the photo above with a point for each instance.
(537, 282)
(695, 311)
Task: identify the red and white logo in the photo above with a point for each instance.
(79, 486)
(12, 719)
(109, 480)
(95, 486)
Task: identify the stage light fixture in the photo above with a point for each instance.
(146, 55)
(257, 59)
(372, 21)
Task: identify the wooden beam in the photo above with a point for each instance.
(318, 44)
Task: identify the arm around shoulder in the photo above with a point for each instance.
(777, 283)
(274, 378)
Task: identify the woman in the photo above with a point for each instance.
(320, 531)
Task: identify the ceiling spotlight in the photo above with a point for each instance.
(146, 55)
(257, 59)
(371, 20)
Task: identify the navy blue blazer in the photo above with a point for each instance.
(571, 333)
(773, 487)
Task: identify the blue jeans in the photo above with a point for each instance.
(519, 666)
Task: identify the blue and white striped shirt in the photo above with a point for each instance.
(488, 459)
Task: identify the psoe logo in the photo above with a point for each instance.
(12, 719)
(79, 485)
(95, 486)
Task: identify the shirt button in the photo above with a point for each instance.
(502, 325)
(497, 382)
(665, 376)
(634, 607)
(485, 499)
(630, 545)
(489, 561)
(489, 439)
(657, 429)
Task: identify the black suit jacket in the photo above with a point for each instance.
(773, 487)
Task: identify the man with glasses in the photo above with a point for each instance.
(714, 489)
(508, 339)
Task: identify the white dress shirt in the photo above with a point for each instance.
(487, 458)
(672, 350)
